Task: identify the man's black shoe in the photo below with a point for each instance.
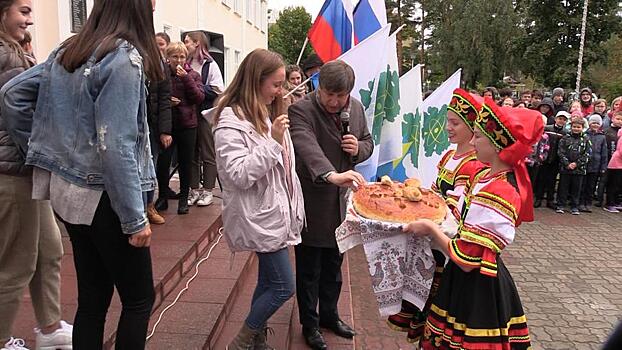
(340, 328)
(161, 204)
(170, 194)
(314, 338)
(537, 203)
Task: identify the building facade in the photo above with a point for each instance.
(243, 24)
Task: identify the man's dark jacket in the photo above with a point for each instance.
(317, 144)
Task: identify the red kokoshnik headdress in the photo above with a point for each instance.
(513, 131)
(466, 106)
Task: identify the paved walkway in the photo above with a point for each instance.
(567, 269)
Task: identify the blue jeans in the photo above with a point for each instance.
(275, 285)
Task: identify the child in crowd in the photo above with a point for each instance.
(539, 154)
(525, 96)
(558, 101)
(600, 108)
(575, 106)
(536, 98)
(454, 170)
(506, 102)
(547, 108)
(477, 302)
(611, 135)
(490, 91)
(597, 164)
(586, 99)
(574, 153)
(615, 105)
(547, 176)
(614, 167)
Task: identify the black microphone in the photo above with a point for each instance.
(345, 122)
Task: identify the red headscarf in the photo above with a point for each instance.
(513, 131)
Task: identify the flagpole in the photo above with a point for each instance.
(580, 63)
(303, 50)
(399, 29)
(297, 87)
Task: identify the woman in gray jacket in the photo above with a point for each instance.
(263, 209)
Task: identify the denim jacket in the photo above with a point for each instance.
(89, 127)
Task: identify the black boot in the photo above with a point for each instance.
(182, 206)
(161, 204)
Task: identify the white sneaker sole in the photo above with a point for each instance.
(56, 347)
(202, 204)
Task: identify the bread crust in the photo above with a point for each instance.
(395, 203)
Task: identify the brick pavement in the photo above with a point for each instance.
(566, 269)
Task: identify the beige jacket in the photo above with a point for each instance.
(258, 212)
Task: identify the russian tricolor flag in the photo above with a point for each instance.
(331, 33)
(369, 17)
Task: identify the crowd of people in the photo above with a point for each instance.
(578, 162)
(127, 112)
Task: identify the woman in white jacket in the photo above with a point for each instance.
(263, 208)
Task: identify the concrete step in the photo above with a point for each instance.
(197, 318)
(175, 247)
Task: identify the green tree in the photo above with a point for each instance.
(475, 35)
(288, 34)
(549, 50)
(606, 76)
(408, 40)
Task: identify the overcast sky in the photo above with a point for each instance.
(312, 6)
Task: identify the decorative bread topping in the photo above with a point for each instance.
(398, 202)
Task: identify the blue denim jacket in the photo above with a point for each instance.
(89, 127)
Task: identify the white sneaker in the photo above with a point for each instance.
(193, 197)
(206, 198)
(15, 344)
(60, 339)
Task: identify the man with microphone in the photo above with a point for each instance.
(330, 136)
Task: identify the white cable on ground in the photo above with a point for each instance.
(196, 273)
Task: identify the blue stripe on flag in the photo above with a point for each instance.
(335, 13)
(365, 21)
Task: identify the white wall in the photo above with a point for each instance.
(227, 17)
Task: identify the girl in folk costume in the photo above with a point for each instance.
(454, 171)
(477, 306)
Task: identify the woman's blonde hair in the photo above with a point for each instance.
(176, 47)
(243, 93)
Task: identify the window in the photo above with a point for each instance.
(167, 28)
(237, 60)
(237, 6)
(263, 16)
(227, 62)
(249, 9)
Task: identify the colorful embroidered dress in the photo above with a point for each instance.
(480, 309)
(454, 172)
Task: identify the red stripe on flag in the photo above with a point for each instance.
(322, 39)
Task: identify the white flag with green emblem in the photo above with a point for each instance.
(434, 138)
(365, 59)
(407, 164)
(382, 109)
